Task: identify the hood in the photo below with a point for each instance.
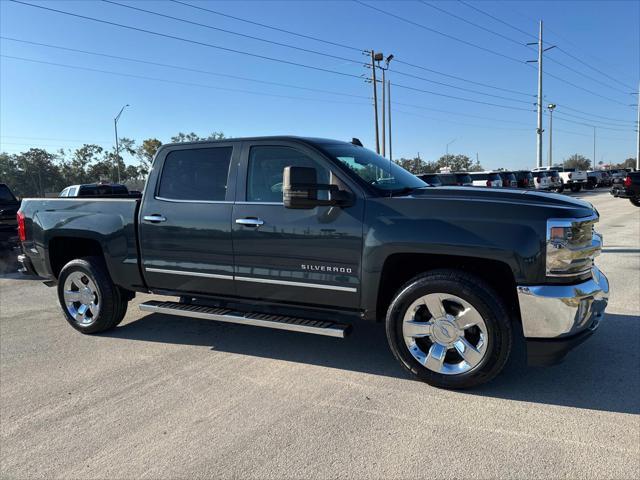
(509, 197)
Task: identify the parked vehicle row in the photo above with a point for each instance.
(541, 178)
(308, 235)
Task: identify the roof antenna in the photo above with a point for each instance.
(356, 141)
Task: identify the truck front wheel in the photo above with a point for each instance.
(89, 300)
(450, 329)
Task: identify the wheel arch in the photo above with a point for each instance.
(399, 268)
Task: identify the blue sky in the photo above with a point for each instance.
(52, 106)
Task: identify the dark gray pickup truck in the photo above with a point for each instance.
(309, 234)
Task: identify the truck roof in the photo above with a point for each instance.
(308, 140)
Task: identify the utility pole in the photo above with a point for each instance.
(375, 57)
(638, 130)
(551, 107)
(384, 115)
(389, 109)
(539, 129)
(115, 127)
(594, 145)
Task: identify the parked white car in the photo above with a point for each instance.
(486, 179)
(571, 177)
(542, 180)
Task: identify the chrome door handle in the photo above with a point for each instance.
(154, 218)
(249, 222)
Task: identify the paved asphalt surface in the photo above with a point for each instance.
(168, 397)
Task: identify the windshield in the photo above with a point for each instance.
(377, 171)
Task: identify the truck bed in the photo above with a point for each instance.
(52, 226)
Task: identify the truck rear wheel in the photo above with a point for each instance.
(576, 187)
(89, 300)
(449, 329)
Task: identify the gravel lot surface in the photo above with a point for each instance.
(169, 397)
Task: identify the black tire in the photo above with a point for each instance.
(560, 189)
(482, 297)
(635, 201)
(112, 303)
(576, 187)
(589, 186)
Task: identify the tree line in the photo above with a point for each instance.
(38, 172)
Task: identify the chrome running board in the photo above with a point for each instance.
(280, 322)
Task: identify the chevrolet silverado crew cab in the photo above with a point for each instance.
(308, 234)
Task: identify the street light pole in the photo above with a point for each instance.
(115, 127)
(389, 108)
(447, 150)
(551, 107)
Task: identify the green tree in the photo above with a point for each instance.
(193, 137)
(145, 153)
(628, 163)
(38, 172)
(75, 170)
(577, 161)
(458, 163)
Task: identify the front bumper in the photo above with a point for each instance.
(562, 314)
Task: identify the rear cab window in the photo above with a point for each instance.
(195, 174)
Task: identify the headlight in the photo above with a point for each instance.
(572, 245)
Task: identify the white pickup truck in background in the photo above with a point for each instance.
(571, 177)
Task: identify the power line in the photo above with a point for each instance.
(480, 102)
(498, 19)
(462, 79)
(287, 62)
(591, 124)
(591, 114)
(597, 122)
(182, 39)
(521, 44)
(593, 68)
(438, 119)
(231, 32)
(569, 41)
(627, 88)
(192, 84)
(432, 30)
(345, 46)
(104, 142)
(271, 27)
(304, 49)
(183, 68)
(410, 75)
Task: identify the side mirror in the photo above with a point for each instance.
(300, 189)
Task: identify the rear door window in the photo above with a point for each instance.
(198, 174)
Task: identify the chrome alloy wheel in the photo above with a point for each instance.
(445, 333)
(81, 298)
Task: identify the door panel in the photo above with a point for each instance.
(300, 256)
(185, 224)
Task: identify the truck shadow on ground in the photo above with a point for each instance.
(602, 374)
